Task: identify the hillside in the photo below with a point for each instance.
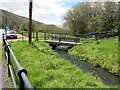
(13, 19)
(16, 21)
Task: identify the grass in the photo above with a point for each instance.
(47, 70)
(103, 53)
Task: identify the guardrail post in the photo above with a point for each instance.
(9, 62)
(5, 46)
(3, 37)
(36, 36)
(22, 84)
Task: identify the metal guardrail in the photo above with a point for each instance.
(21, 72)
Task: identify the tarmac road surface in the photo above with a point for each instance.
(19, 37)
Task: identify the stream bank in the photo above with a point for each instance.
(106, 77)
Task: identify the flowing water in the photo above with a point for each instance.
(106, 77)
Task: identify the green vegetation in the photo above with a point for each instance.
(15, 21)
(47, 70)
(42, 28)
(92, 17)
(103, 53)
(21, 23)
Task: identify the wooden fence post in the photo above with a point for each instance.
(52, 36)
(36, 36)
(60, 38)
(45, 36)
(76, 39)
(22, 35)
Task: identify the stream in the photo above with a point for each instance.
(106, 77)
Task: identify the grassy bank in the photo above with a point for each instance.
(46, 70)
(103, 53)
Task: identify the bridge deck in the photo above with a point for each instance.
(62, 42)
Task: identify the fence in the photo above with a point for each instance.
(21, 72)
(56, 36)
(72, 37)
(76, 37)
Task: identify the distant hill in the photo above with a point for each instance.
(13, 19)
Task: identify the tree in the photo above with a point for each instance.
(96, 23)
(109, 15)
(78, 17)
(25, 26)
(92, 17)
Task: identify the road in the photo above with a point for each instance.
(19, 37)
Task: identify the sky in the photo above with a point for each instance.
(45, 11)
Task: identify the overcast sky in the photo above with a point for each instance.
(45, 11)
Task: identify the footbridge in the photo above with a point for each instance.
(54, 38)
